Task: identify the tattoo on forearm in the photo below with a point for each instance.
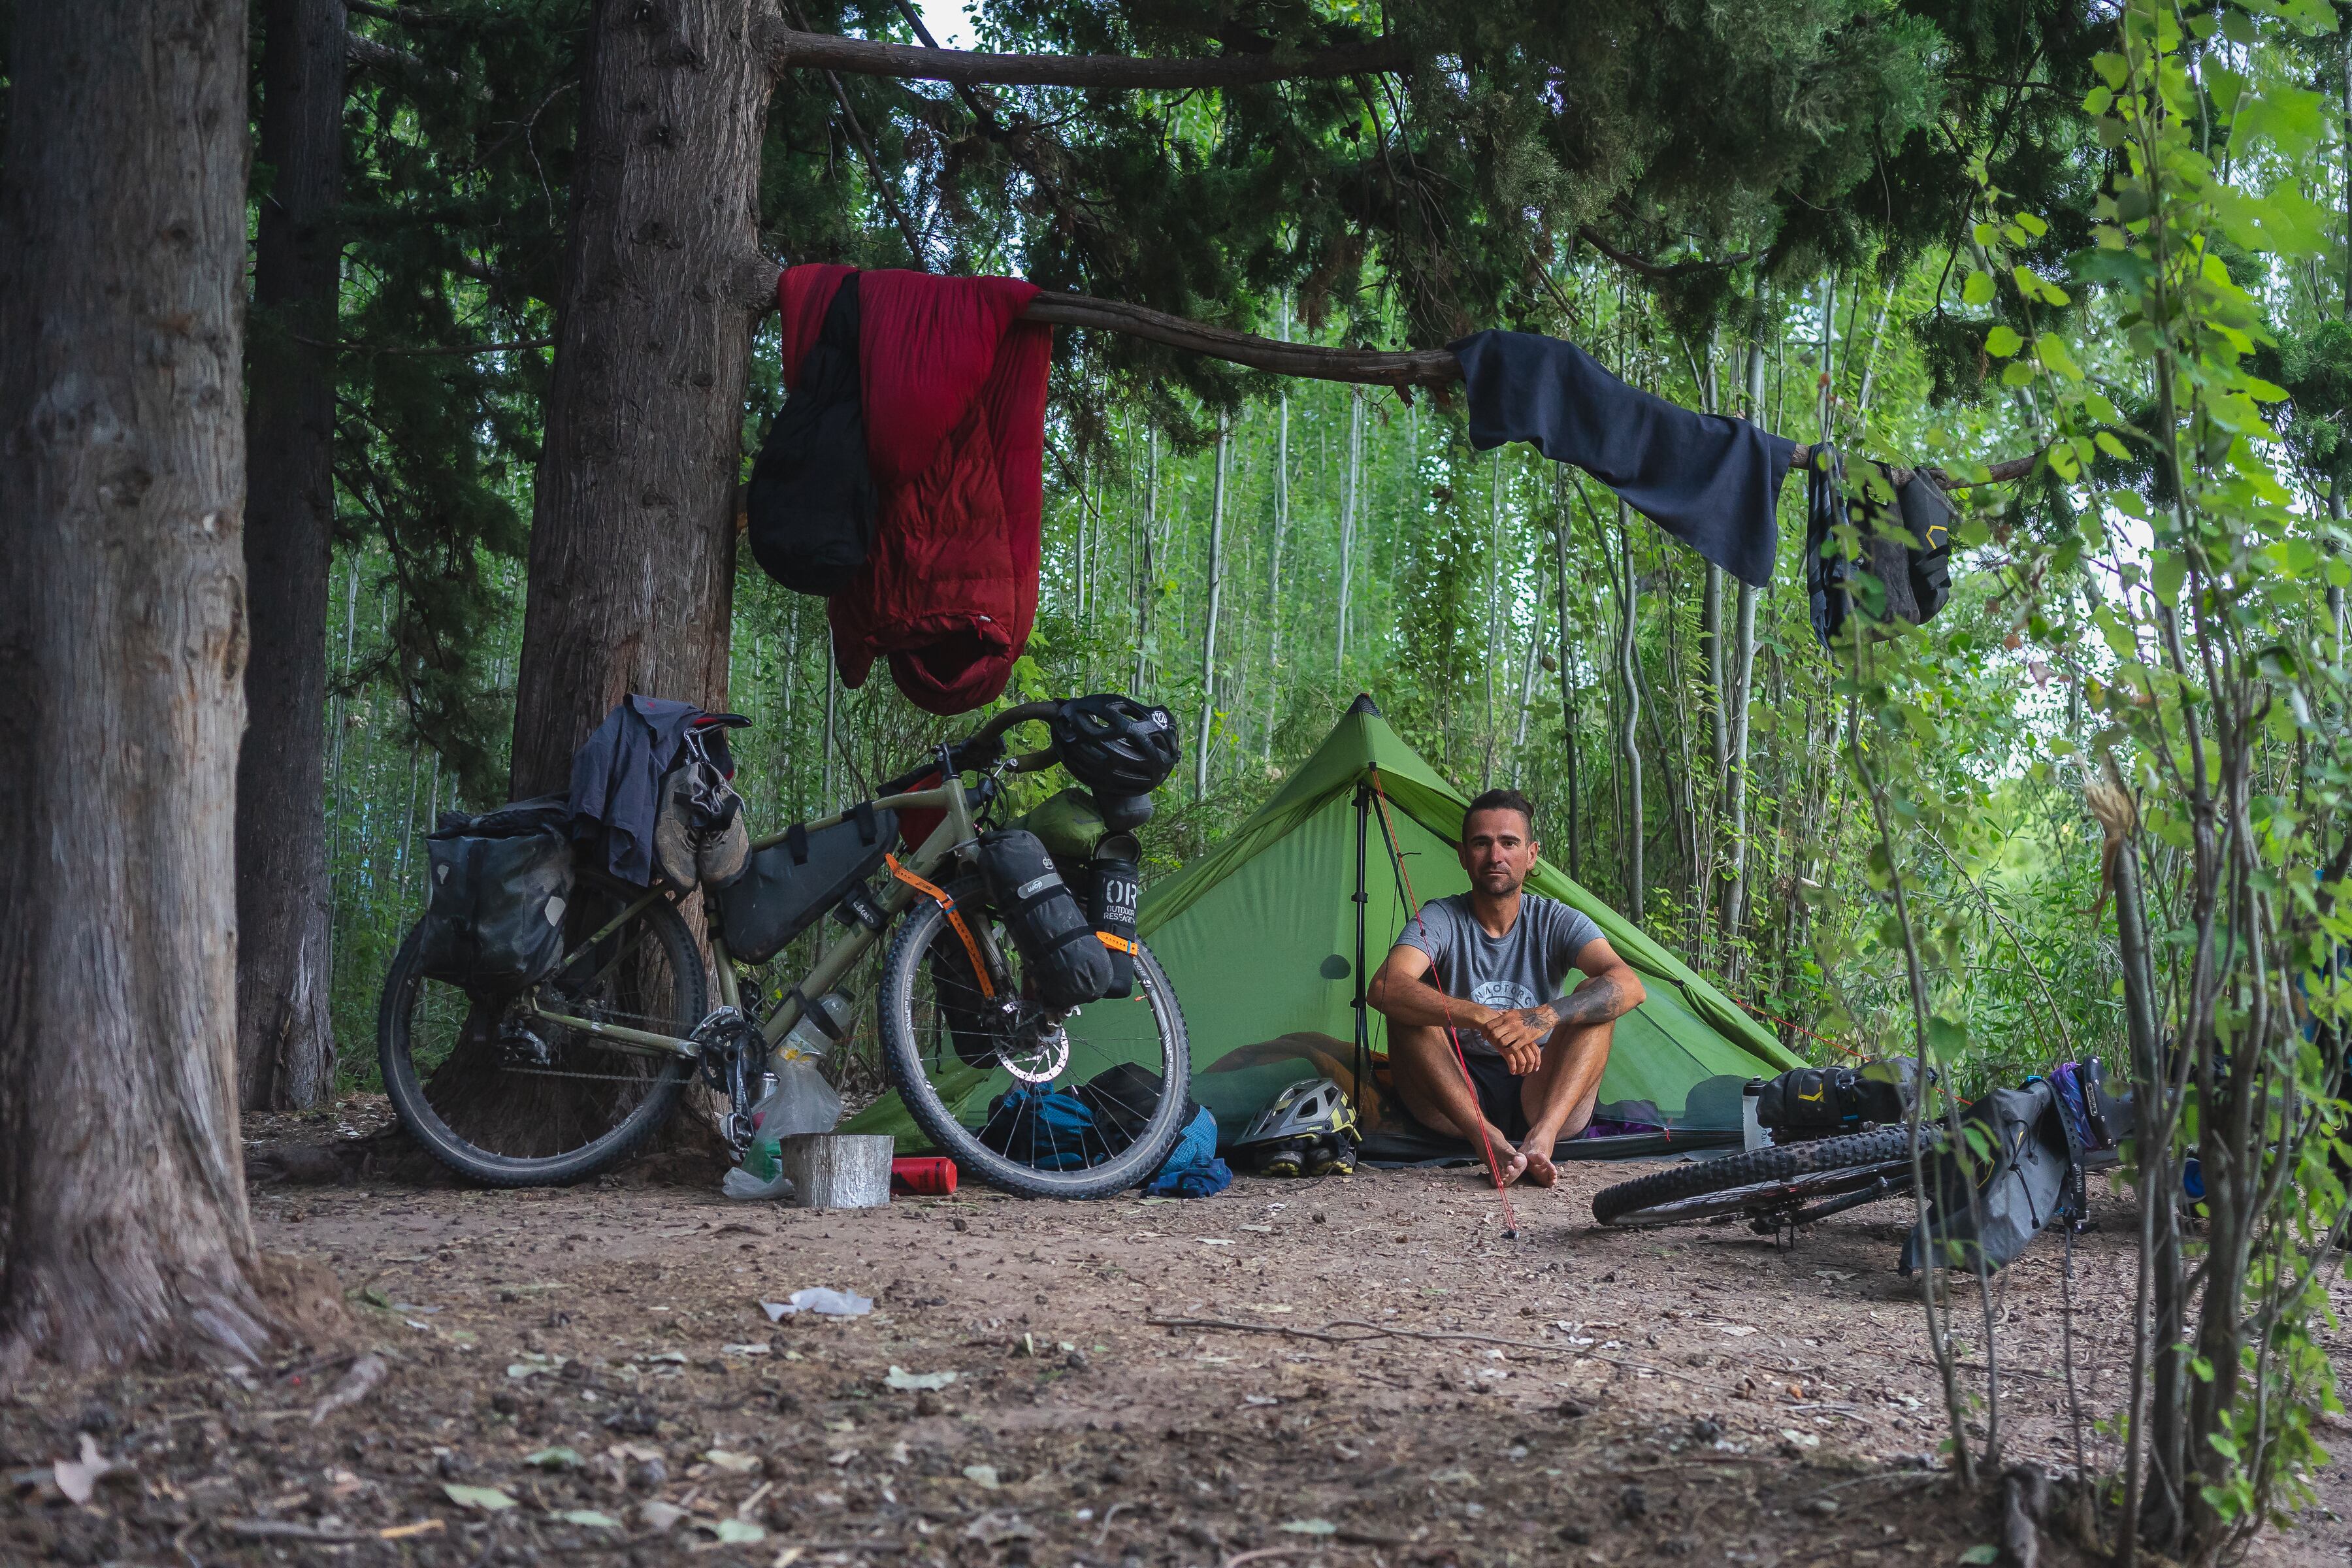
(1594, 1002)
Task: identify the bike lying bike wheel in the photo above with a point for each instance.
(990, 1080)
(510, 1100)
(1789, 1185)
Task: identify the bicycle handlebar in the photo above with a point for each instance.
(1012, 716)
(985, 744)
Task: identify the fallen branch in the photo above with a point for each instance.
(352, 1387)
(1381, 1331)
(790, 49)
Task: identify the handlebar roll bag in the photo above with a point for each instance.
(793, 883)
(1066, 962)
(501, 882)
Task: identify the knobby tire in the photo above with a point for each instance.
(1627, 1201)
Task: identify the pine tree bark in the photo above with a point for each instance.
(633, 539)
(124, 1229)
(285, 1048)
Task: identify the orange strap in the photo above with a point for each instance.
(978, 964)
(1115, 943)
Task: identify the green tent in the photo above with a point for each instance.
(1261, 941)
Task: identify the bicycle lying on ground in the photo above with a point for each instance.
(1842, 1141)
(561, 1078)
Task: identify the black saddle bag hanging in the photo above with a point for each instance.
(1916, 579)
(809, 508)
(500, 884)
(795, 882)
(1065, 961)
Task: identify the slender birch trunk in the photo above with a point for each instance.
(1216, 598)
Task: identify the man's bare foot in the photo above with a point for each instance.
(1541, 1172)
(1513, 1167)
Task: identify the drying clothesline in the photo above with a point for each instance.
(1361, 367)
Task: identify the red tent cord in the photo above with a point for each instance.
(1454, 1038)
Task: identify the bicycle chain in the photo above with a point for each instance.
(595, 1076)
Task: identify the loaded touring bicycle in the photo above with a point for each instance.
(544, 1019)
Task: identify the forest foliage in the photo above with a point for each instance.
(2095, 807)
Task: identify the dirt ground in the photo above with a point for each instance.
(590, 1376)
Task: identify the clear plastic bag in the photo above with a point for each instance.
(743, 1187)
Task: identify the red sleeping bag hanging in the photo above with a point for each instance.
(953, 389)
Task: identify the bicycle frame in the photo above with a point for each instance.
(956, 833)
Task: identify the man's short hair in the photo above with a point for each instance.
(1501, 800)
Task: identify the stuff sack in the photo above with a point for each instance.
(501, 882)
(1116, 888)
(2020, 1180)
(794, 882)
(1816, 1103)
(1066, 964)
(1045, 1131)
(809, 508)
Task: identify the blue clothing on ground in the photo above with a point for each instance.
(1193, 1169)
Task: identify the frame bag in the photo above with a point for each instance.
(501, 882)
(1067, 963)
(794, 882)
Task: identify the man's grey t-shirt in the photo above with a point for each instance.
(1525, 965)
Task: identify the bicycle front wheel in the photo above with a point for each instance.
(1080, 1105)
(509, 1099)
(1781, 1181)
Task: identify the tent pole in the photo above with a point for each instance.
(1364, 1017)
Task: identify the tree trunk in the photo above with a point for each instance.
(1348, 504)
(1629, 673)
(124, 1229)
(285, 1044)
(1209, 634)
(633, 536)
(1742, 690)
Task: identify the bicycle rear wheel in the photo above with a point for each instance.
(1764, 1182)
(512, 1100)
(999, 1087)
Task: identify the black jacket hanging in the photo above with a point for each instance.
(810, 506)
(1915, 578)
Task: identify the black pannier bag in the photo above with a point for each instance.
(501, 884)
(795, 882)
(1067, 963)
(809, 508)
(2022, 1183)
(1116, 885)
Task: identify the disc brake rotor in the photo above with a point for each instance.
(1039, 1056)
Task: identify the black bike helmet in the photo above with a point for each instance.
(1115, 745)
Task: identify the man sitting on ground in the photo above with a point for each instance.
(1481, 962)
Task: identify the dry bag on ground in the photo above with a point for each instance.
(501, 882)
(1066, 962)
(794, 882)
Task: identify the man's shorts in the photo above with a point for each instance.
(1499, 1093)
